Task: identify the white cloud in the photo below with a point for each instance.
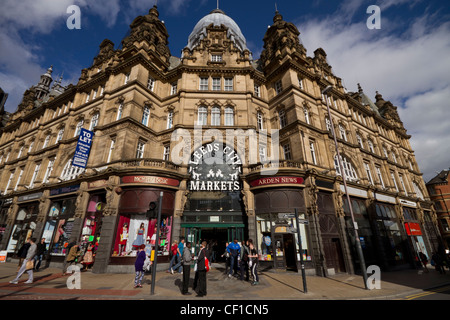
(411, 66)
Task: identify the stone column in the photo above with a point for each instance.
(44, 207)
(180, 202)
(248, 198)
(12, 212)
(109, 222)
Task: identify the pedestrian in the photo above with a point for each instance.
(187, 258)
(253, 262)
(28, 263)
(438, 263)
(226, 255)
(424, 260)
(72, 257)
(201, 270)
(244, 261)
(174, 253)
(180, 250)
(40, 249)
(22, 253)
(139, 266)
(234, 249)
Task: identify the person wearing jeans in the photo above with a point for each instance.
(30, 256)
(234, 249)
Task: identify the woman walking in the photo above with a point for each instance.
(253, 262)
(139, 267)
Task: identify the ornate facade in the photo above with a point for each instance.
(137, 97)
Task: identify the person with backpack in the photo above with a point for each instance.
(234, 249)
(244, 261)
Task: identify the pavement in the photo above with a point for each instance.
(50, 284)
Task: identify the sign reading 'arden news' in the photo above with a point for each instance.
(215, 167)
(83, 148)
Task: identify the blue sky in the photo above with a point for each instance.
(407, 60)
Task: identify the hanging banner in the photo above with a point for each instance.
(83, 148)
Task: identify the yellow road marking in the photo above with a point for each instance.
(426, 293)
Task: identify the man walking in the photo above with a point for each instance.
(29, 257)
(180, 249)
(201, 270)
(234, 249)
(40, 249)
(187, 258)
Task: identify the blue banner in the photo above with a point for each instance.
(83, 148)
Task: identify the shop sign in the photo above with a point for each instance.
(215, 167)
(276, 180)
(97, 184)
(28, 197)
(151, 180)
(413, 229)
(3, 255)
(62, 190)
(408, 203)
(83, 148)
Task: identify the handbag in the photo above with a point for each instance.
(29, 265)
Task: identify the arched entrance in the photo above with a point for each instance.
(214, 211)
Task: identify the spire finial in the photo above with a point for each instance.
(217, 4)
(276, 7)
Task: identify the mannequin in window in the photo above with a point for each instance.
(140, 237)
(123, 238)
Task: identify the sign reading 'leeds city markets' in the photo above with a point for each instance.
(215, 167)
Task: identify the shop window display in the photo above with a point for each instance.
(23, 227)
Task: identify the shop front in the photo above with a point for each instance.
(25, 222)
(276, 199)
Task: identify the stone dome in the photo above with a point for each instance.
(217, 18)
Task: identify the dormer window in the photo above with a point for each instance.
(216, 58)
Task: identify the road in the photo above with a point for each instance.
(439, 293)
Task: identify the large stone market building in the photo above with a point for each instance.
(134, 99)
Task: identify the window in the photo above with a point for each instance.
(216, 84)
(342, 132)
(18, 179)
(400, 177)
(278, 87)
(151, 84)
(202, 116)
(369, 174)
(371, 148)
(306, 113)
(229, 116)
(35, 174)
(360, 142)
(282, 116)
(395, 182)
(111, 148)
(88, 96)
(60, 135)
(350, 172)
(262, 154)
(94, 121)
(127, 78)
(20, 152)
(170, 120)
(385, 152)
(49, 170)
(380, 177)
(94, 94)
(140, 150)
(216, 58)
(119, 111)
(78, 128)
(313, 152)
(215, 116)
(394, 157)
(300, 83)
(102, 91)
(174, 88)
(166, 155)
(260, 120)
(419, 193)
(46, 141)
(257, 90)
(70, 172)
(204, 85)
(11, 176)
(287, 151)
(328, 123)
(228, 84)
(31, 146)
(145, 116)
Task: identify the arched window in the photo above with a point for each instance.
(350, 172)
(202, 116)
(229, 116)
(70, 172)
(94, 121)
(215, 116)
(417, 190)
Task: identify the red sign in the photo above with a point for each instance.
(151, 180)
(276, 180)
(413, 229)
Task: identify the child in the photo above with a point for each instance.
(139, 266)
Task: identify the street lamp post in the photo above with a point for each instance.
(155, 259)
(341, 168)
